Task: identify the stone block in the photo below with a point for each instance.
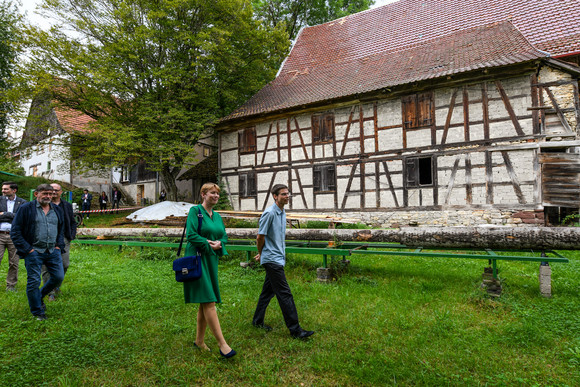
(545, 278)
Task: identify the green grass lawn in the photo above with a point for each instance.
(121, 321)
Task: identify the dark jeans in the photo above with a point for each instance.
(86, 207)
(275, 284)
(33, 263)
(115, 204)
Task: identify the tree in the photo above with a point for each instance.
(155, 75)
(9, 34)
(295, 14)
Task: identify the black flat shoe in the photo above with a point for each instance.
(232, 353)
(302, 335)
(265, 327)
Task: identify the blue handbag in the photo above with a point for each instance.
(188, 268)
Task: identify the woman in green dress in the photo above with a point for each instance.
(210, 242)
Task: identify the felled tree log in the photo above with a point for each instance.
(559, 238)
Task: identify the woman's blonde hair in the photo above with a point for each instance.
(207, 186)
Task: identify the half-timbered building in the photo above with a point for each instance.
(420, 112)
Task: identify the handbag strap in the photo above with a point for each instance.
(199, 220)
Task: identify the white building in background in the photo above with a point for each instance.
(44, 149)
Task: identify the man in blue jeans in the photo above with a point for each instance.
(38, 235)
(271, 243)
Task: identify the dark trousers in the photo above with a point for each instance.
(275, 284)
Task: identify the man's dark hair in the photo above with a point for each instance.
(276, 189)
(43, 188)
(12, 185)
(85, 190)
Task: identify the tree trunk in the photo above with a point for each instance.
(537, 238)
(168, 176)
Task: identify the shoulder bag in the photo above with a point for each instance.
(188, 268)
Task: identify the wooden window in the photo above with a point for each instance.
(417, 110)
(247, 140)
(324, 178)
(248, 186)
(419, 172)
(323, 127)
(206, 151)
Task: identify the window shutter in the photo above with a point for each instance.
(328, 127)
(251, 140)
(424, 101)
(316, 128)
(243, 185)
(331, 178)
(252, 186)
(316, 179)
(409, 111)
(411, 172)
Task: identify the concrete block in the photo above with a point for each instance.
(545, 278)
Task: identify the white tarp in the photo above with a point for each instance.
(160, 211)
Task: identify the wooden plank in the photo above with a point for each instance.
(465, 114)
(561, 116)
(468, 183)
(449, 115)
(513, 177)
(488, 178)
(535, 105)
(509, 108)
(485, 107)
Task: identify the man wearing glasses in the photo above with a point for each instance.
(271, 243)
(70, 233)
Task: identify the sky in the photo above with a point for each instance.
(30, 5)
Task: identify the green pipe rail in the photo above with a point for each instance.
(351, 248)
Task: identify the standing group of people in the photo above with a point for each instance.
(87, 198)
(40, 232)
(211, 241)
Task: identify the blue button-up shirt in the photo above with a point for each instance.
(273, 226)
(46, 230)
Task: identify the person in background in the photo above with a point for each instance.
(103, 200)
(70, 233)
(9, 205)
(271, 243)
(86, 199)
(210, 241)
(162, 195)
(115, 198)
(38, 234)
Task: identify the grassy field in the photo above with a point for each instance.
(121, 321)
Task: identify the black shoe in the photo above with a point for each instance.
(232, 353)
(42, 306)
(265, 327)
(303, 334)
(41, 317)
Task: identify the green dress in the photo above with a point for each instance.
(205, 289)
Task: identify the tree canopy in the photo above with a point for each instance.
(295, 14)
(153, 74)
(9, 35)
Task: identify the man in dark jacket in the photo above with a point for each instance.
(86, 199)
(9, 205)
(38, 234)
(70, 233)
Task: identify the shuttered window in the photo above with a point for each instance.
(247, 140)
(324, 178)
(248, 186)
(417, 110)
(418, 172)
(323, 127)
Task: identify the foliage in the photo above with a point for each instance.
(153, 75)
(8, 164)
(296, 14)
(9, 35)
(224, 201)
(121, 321)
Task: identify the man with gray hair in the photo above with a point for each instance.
(70, 233)
(38, 234)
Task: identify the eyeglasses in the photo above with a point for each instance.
(285, 194)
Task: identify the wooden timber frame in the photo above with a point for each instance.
(371, 176)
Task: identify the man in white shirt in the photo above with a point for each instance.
(9, 204)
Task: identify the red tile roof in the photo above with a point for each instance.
(72, 120)
(412, 40)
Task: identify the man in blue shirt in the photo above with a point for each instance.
(38, 235)
(271, 243)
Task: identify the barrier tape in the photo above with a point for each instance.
(115, 209)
